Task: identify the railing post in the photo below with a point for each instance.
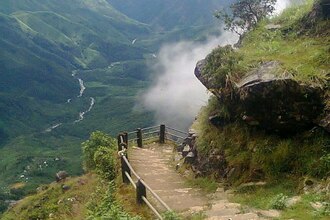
(139, 137)
(140, 192)
(124, 169)
(162, 134)
(119, 141)
(125, 135)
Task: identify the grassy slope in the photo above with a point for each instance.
(302, 51)
(304, 55)
(284, 162)
(53, 201)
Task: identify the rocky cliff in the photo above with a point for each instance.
(270, 93)
(271, 99)
(269, 116)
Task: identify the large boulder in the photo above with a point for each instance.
(270, 100)
(278, 103)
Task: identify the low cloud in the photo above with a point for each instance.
(283, 4)
(176, 95)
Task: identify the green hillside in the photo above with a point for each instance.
(170, 14)
(44, 48)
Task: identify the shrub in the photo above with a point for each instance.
(105, 162)
(220, 64)
(324, 211)
(104, 206)
(89, 147)
(170, 215)
(323, 167)
(279, 202)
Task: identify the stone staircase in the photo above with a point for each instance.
(153, 163)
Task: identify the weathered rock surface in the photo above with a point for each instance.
(273, 27)
(325, 121)
(218, 120)
(198, 73)
(321, 10)
(61, 175)
(271, 100)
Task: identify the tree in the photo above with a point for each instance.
(245, 14)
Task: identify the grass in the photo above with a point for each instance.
(262, 197)
(126, 196)
(52, 200)
(304, 211)
(88, 197)
(255, 155)
(301, 52)
(207, 184)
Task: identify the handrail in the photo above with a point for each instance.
(131, 132)
(130, 167)
(127, 169)
(177, 136)
(151, 207)
(130, 179)
(155, 195)
(151, 132)
(147, 128)
(179, 131)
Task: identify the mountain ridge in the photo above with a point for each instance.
(42, 43)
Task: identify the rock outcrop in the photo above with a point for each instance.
(61, 175)
(269, 99)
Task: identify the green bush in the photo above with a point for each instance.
(89, 147)
(279, 202)
(221, 63)
(104, 206)
(170, 215)
(324, 211)
(105, 162)
(322, 168)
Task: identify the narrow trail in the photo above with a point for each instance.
(153, 164)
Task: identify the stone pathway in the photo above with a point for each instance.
(153, 164)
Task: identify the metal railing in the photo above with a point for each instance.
(161, 132)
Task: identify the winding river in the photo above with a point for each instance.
(82, 113)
